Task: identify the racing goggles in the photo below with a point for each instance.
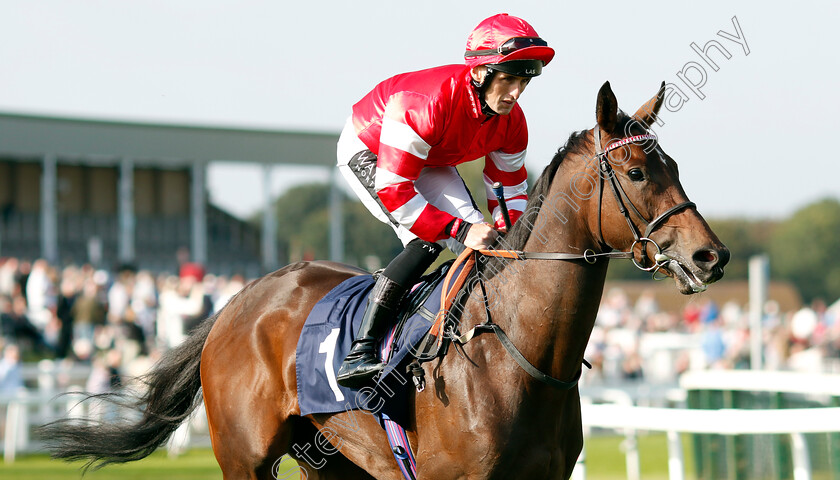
(510, 46)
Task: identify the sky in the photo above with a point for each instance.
(757, 144)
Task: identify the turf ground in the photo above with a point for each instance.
(604, 461)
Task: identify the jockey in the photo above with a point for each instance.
(399, 149)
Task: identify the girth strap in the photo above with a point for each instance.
(400, 447)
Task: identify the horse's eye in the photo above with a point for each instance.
(636, 175)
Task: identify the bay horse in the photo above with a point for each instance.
(482, 417)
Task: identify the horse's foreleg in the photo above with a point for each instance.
(319, 458)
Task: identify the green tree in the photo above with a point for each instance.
(805, 250)
(303, 227)
(745, 238)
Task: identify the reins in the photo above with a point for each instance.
(467, 260)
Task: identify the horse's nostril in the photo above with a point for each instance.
(705, 257)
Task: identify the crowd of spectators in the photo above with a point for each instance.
(118, 322)
(705, 335)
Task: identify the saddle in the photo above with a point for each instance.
(326, 339)
(329, 330)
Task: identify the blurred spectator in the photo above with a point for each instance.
(144, 304)
(613, 310)
(709, 312)
(104, 378)
(182, 301)
(11, 375)
(120, 292)
(67, 294)
(646, 306)
(23, 332)
(21, 278)
(691, 316)
(226, 290)
(802, 324)
(40, 294)
(88, 312)
(631, 367)
(8, 276)
(105, 375)
(7, 324)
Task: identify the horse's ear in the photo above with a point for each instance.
(647, 113)
(606, 110)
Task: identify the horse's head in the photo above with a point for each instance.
(639, 197)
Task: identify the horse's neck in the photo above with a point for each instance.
(551, 305)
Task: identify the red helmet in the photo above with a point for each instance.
(509, 44)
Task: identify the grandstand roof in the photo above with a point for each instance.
(35, 136)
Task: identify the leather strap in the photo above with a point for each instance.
(664, 216)
(526, 365)
(451, 289)
(467, 258)
(621, 196)
(588, 255)
(517, 356)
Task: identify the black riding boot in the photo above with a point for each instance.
(362, 363)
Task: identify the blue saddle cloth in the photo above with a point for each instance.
(326, 339)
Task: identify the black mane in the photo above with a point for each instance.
(521, 230)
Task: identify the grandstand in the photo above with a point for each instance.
(106, 192)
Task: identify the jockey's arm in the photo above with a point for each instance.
(509, 169)
(402, 156)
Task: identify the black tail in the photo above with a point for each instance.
(172, 393)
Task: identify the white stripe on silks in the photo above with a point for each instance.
(517, 204)
(400, 136)
(410, 211)
(384, 178)
(507, 162)
(510, 191)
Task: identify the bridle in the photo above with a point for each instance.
(606, 171)
(622, 199)
(468, 258)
